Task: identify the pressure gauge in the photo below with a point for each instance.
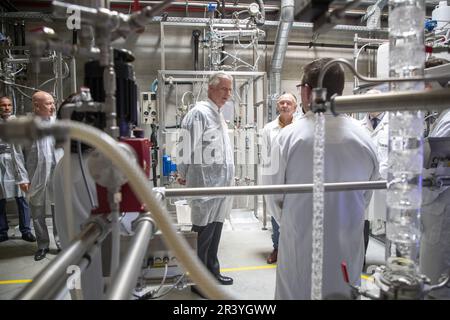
(253, 9)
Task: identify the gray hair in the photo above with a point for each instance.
(291, 95)
(214, 79)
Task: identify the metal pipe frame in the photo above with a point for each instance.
(271, 189)
(27, 60)
(183, 76)
(279, 189)
(369, 40)
(223, 23)
(198, 4)
(372, 80)
(435, 100)
(59, 79)
(126, 278)
(50, 280)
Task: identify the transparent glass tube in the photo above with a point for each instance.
(405, 155)
(318, 206)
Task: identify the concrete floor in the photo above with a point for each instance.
(17, 265)
(243, 250)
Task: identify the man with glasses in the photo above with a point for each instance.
(349, 156)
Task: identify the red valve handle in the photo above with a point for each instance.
(344, 271)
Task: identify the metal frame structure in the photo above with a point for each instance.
(174, 77)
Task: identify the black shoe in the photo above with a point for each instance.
(28, 237)
(3, 237)
(195, 290)
(226, 281)
(40, 254)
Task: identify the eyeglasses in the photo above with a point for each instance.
(300, 85)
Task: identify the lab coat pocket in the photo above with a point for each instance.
(432, 220)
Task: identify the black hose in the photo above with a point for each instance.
(222, 9)
(74, 36)
(196, 34)
(22, 40)
(154, 142)
(16, 35)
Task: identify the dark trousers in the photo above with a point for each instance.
(208, 238)
(366, 237)
(24, 216)
(275, 233)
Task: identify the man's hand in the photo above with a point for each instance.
(24, 187)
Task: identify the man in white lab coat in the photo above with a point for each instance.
(435, 216)
(40, 161)
(349, 156)
(206, 160)
(286, 106)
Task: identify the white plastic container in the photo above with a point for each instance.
(183, 212)
(442, 15)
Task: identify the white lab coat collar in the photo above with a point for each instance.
(378, 117)
(384, 122)
(368, 124)
(213, 106)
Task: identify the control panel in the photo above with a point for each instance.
(149, 113)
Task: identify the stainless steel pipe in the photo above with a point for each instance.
(436, 100)
(50, 280)
(26, 60)
(278, 189)
(126, 278)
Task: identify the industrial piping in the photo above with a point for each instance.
(279, 52)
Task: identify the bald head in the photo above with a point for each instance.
(43, 104)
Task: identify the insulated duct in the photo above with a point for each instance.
(279, 51)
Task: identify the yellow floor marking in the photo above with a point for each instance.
(365, 277)
(16, 281)
(272, 266)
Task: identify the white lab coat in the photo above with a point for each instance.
(269, 133)
(12, 170)
(349, 156)
(376, 212)
(205, 159)
(92, 278)
(40, 161)
(435, 218)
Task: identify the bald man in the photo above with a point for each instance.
(40, 161)
(286, 106)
